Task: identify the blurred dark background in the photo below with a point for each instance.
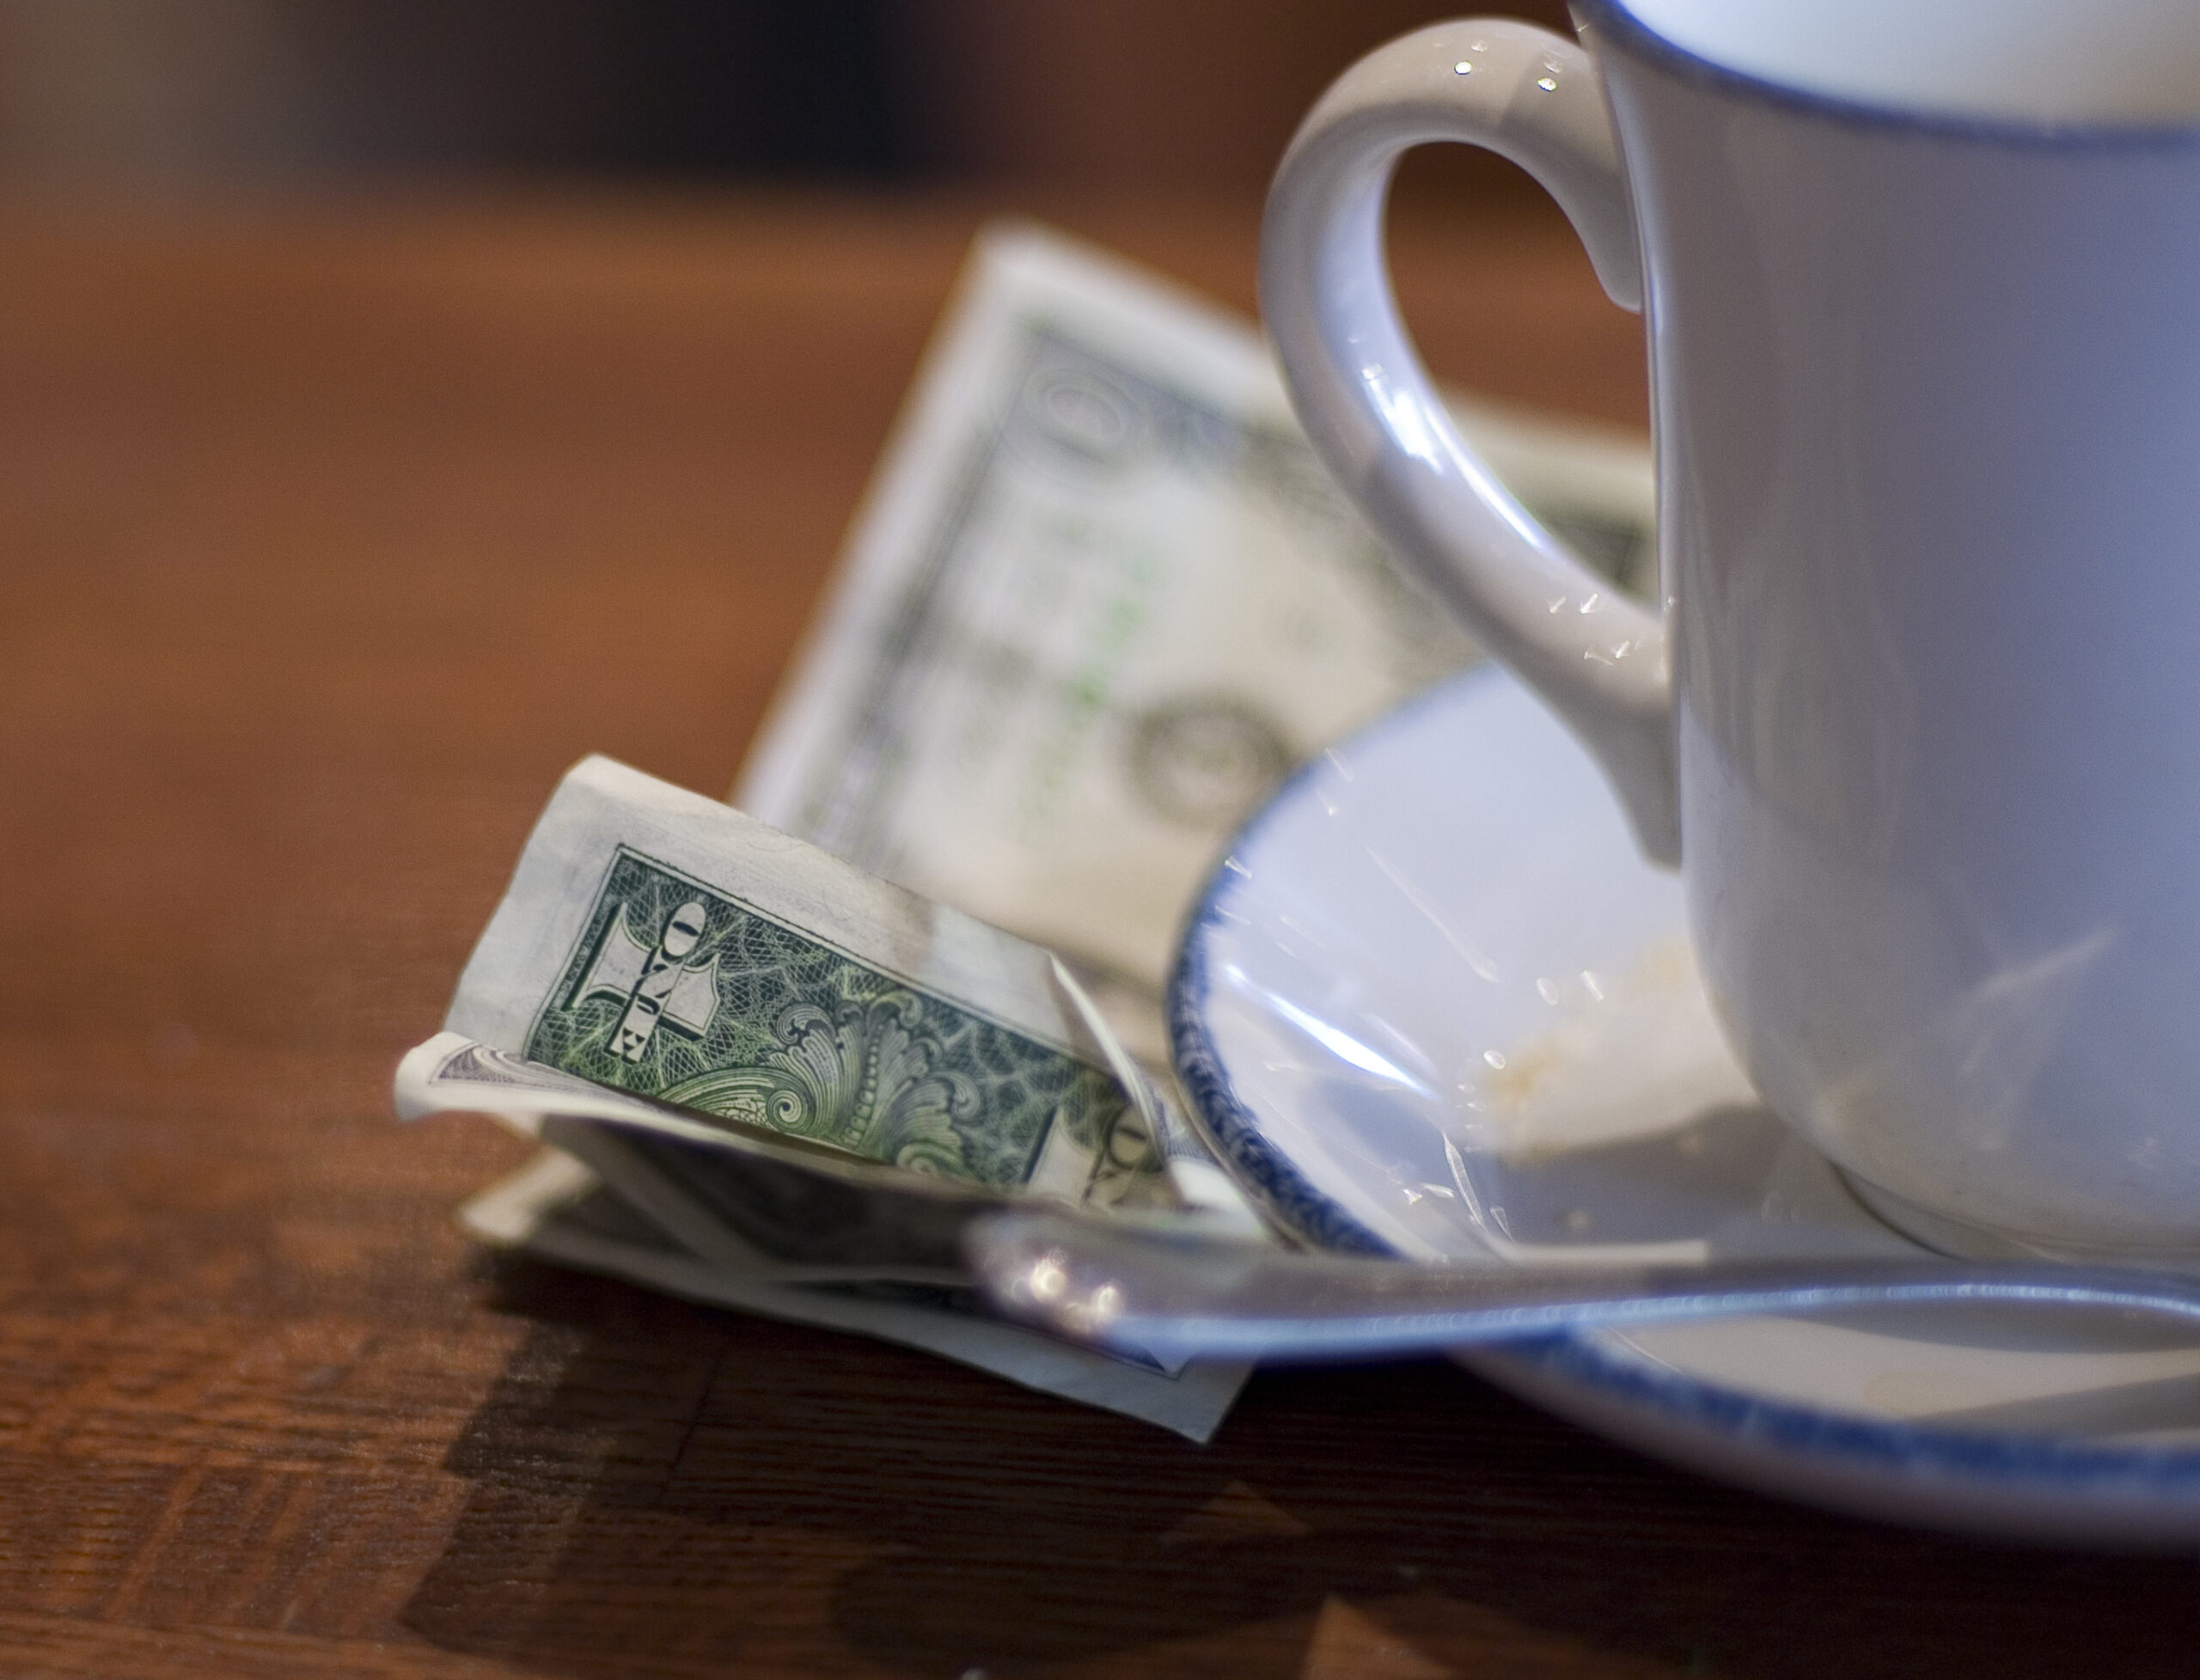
(1147, 96)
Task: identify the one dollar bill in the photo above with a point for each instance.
(800, 1076)
(660, 944)
(1101, 598)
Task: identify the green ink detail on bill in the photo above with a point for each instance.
(679, 992)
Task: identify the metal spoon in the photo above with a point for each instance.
(1180, 1298)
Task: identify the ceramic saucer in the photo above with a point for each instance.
(1433, 1005)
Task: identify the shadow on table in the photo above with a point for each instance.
(655, 1486)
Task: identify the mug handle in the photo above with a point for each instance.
(1596, 657)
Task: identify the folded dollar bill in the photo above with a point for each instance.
(800, 1075)
(666, 947)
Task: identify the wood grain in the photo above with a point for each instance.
(329, 535)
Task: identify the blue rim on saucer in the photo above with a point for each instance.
(2060, 1487)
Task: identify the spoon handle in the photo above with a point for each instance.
(1194, 1297)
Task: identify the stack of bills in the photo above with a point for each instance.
(1101, 599)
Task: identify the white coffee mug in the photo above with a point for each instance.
(1919, 713)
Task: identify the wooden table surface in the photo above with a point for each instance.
(330, 536)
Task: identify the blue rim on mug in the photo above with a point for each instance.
(1615, 23)
(2065, 1467)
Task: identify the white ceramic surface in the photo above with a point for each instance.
(1927, 395)
(1435, 1003)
